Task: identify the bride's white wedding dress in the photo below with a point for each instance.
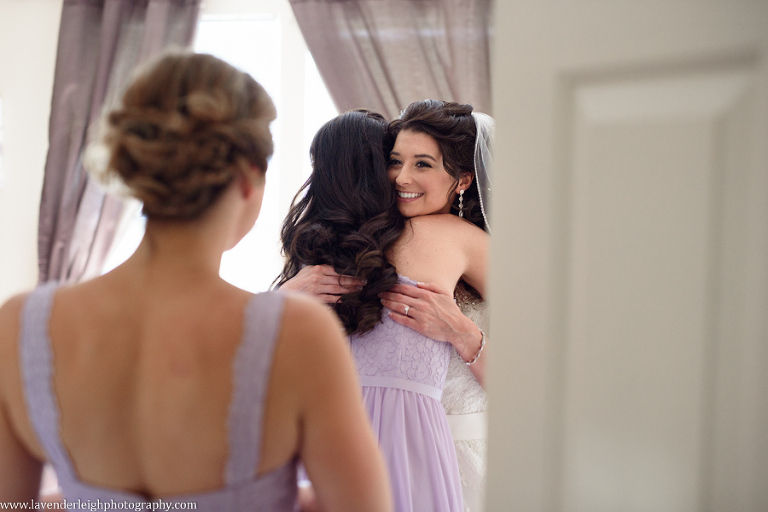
(465, 403)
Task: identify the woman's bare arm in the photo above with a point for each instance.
(20, 472)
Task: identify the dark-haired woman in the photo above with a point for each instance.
(345, 216)
(348, 220)
(459, 139)
(161, 381)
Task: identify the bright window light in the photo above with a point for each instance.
(261, 38)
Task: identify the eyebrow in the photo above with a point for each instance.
(424, 155)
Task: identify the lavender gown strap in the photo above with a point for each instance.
(250, 375)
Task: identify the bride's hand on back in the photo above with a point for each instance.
(323, 282)
(432, 312)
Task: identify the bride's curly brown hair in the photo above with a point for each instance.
(187, 126)
(347, 217)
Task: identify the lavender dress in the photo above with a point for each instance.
(242, 491)
(403, 374)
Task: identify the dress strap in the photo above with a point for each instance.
(250, 374)
(36, 362)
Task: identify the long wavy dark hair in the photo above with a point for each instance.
(347, 216)
(453, 127)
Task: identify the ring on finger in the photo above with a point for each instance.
(407, 308)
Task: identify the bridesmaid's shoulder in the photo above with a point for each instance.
(10, 315)
(306, 317)
(10, 326)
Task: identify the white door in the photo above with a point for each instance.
(628, 364)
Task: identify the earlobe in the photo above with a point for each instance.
(465, 180)
(249, 182)
(246, 187)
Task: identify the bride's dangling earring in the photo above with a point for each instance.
(461, 203)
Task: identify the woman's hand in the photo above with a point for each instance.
(431, 311)
(323, 282)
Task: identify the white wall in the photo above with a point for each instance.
(628, 363)
(28, 37)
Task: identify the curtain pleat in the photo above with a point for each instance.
(385, 54)
(100, 44)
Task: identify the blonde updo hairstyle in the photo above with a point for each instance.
(187, 126)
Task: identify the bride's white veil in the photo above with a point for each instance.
(484, 161)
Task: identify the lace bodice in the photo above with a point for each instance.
(393, 350)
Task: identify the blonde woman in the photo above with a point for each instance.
(161, 381)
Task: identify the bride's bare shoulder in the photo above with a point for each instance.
(438, 224)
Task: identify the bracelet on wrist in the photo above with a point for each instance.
(480, 350)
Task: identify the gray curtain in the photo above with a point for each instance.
(100, 43)
(385, 54)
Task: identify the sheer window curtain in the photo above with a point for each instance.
(385, 54)
(100, 43)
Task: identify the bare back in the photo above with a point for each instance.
(442, 249)
(144, 386)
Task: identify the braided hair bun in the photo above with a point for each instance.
(187, 125)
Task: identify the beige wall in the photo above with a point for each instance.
(628, 364)
(28, 38)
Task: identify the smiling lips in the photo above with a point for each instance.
(405, 196)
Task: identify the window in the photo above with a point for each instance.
(262, 38)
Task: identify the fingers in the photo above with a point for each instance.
(432, 287)
(335, 288)
(325, 275)
(408, 290)
(406, 321)
(323, 280)
(395, 305)
(399, 308)
(400, 293)
(409, 296)
(349, 282)
(328, 298)
(423, 291)
(400, 296)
